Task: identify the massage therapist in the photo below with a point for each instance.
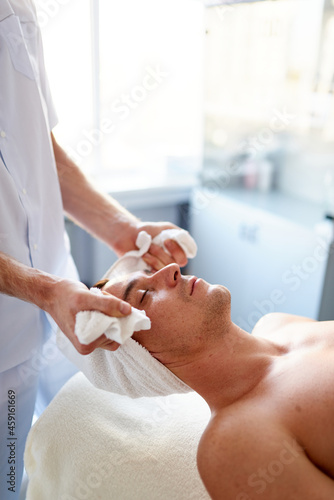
(38, 182)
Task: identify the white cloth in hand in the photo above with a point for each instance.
(90, 325)
(132, 261)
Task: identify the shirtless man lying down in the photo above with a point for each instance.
(271, 394)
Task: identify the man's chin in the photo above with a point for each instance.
(220, 302)
(220, 291)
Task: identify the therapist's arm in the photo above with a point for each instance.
(61, 298)
(105, 218)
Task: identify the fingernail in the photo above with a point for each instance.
(125, 308)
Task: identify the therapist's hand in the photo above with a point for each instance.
(124, 239)
(70, 297)
(156, 257)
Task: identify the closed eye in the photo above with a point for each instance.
(143, 297)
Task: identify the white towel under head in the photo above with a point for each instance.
(131, 370)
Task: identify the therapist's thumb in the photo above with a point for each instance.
(176, 252)
(113, 306)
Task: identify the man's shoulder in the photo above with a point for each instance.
(241, 457)
(229, 440)
(230, 434)
(231, 430)
(235, 446)
(274, 322)
(295, 331)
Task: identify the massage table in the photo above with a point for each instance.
(90, 444)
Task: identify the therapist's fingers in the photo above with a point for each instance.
(114, 306)
(176, 252)
(107, 344)
(157, 258)
(71, 297)
(113, 346)
(101, 343)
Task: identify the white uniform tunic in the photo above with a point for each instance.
(31, 212)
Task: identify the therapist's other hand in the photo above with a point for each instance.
(156, 257)
(124, 240)
(69, 298)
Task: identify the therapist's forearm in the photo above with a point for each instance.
(26, 283)
(60, 297)
(98, 213)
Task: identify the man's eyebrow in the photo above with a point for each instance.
(132, 283)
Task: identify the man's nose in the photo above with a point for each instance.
(171, 274)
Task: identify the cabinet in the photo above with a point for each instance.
(268, 250)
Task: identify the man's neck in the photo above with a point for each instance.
(225, 372)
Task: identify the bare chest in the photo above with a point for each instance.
(300, 392)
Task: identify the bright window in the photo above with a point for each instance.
(269, 97)
(127, 83)
(261, 63)
(66, 30)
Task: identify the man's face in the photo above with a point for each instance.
(185, 312)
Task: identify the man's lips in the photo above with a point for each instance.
(192, 284)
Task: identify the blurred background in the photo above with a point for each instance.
(218, 116)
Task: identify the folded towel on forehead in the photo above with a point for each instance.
(131, 370)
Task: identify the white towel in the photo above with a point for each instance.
(132, 261)
(90, 444)
(90, 325)
(130, 370)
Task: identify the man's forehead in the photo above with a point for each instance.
(120, 282)
(122, 286)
